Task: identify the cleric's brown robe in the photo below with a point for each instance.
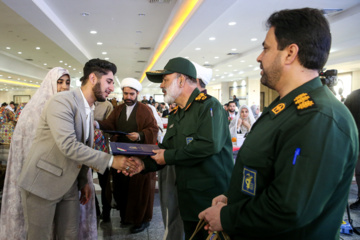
(141, 187)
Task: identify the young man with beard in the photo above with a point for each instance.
(134, 196)
(56, 166)
(292, 175)
(197, 142)
(233, 118)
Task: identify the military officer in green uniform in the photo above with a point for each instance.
(292, 175)
(197, 142)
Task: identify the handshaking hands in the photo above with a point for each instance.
(129, 166)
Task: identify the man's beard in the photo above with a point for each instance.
(97, 92)
(130, 102)
(272, 75)
(231, 110)
(172, 92)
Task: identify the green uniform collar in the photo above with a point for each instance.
(279, 105)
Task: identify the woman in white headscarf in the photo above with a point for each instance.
(246, 119)
(12, 219)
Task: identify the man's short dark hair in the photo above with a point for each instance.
(307, 28)
(4, 104)
(12, 102)
(99, 67)
(232, 102)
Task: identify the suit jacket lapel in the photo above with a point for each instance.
(80, 102)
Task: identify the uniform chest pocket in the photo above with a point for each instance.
(189, 133)
(255, 159)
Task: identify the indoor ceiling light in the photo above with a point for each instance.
(19, 52)
(185, 10)
(18, 83)
(8, 48)
(104, 53)
(197, 49)
(216, 57)
(233, 49)
(65, 64)
(253, 39)
(212, 38)
(107, 58)
(37, 48)
(99, 43)
(93, 32)
(232, 23)
(45, 64)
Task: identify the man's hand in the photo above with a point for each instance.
(212, 216)
(219, 199)
(159, 157)
(85, 194)
(140, 166)
(123, 163)
(133, 136)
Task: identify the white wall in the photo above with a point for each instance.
(7, 96)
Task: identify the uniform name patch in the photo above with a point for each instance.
(188, 140)
(249, 181)
(278, 108)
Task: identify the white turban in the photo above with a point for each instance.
(132, 83)
(203, 73)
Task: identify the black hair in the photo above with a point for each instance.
(99, 67)
(307, 28)
(231, 102)
(4, 104)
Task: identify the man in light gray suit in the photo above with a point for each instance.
(61, 154)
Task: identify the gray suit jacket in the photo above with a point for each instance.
(58, 154)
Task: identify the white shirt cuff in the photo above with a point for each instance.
(97, 125)
(111, 161)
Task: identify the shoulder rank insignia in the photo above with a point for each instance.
(304, 101)
(278, 108)
(175, 109)
(202, 97)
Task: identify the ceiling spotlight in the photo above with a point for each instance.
(242, 61)
(233, 49)
(8, 77)
(74, 69)
(198, 49)
(253, 39)
(107, 58)
(216, 57)
(37, 48)
(65, 64)
(60, 61)
(19, 52)
(206, 62)
(186, 57)
(216, 70)
(232, 23)
(8, 48)
(30, 81)
(229, 65)
(250, 65)
(93, 32)
(99, 43)
(45, 64)
(212, 38)
(104, 53)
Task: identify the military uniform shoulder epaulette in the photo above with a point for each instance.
(175, 109)
(304, 102)
(202, 97)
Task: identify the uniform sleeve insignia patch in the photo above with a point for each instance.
(189, 140)
(304, 101)
(249, 181)
(202, 97)
(278, 108)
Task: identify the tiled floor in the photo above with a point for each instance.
(112, 230)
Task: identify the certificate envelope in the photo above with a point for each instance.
(118, 148)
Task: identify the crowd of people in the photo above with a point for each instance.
(291, 178)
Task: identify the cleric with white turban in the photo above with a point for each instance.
(203, 76)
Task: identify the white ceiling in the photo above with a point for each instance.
(126, 26)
